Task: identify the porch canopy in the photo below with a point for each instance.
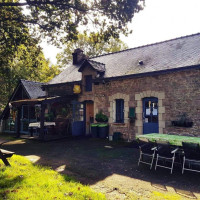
(46, 100)
(42, 101)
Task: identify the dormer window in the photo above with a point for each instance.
(88, 83)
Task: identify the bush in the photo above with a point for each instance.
(100, 117)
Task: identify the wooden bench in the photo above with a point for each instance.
(4, 154)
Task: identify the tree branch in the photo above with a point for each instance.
(38, 3)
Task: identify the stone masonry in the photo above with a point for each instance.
(177, 93)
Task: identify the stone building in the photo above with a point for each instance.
(153, 88)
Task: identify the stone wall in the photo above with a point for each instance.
(177, 93)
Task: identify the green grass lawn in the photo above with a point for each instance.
(24, 180)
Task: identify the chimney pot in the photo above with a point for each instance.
(78, 56)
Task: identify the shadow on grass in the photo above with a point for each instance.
(7, 184)
(93, 160)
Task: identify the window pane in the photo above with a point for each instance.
(119, 110)
(88, 83)
(25, 112)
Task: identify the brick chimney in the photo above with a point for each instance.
(78, 56)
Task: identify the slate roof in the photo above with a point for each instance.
(97, 65)
(34, 89)
(70, 74)
(170, 54)
(100, 67)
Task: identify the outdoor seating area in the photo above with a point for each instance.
(168, 150)
(107, 165)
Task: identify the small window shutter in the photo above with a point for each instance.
(88, 83)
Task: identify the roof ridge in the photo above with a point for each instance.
(31, 81)
(96, 61)
(147, 45)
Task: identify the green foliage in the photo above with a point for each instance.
(29, 63)
(100, 117)
(23, 180)
(20, 55)
(91, 45)
(64, 17)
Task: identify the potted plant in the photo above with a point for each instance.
(102, 126)
(100, 117)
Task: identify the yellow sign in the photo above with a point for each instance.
(77, 89)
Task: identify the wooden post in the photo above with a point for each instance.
(18, 121)
(41, 135)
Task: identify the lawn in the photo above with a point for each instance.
(107, 167)
(24, 180)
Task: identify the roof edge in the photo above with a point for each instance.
(151, 73)
(60, 84)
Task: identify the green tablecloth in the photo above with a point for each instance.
(172, 139)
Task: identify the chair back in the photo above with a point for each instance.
(163, 148)
(145, 145)
(191, 150)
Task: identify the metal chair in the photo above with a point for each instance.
(147, 150)
(191, 156)
(166, 154)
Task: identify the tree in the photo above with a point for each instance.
(12, 35)
(20, 55)
(28, 63)
(90, 46)
(65, 17)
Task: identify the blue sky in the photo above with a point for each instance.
(160, 20)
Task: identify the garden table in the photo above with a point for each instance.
(4, 154)
(175, 140)
(37, 125)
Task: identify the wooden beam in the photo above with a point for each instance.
(18, 121)
(41, 135)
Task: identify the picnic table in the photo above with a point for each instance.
(4, 154)
(175, 140)
(37, 125)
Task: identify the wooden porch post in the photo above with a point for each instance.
(18, 121)
(41, 136)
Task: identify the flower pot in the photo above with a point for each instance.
(94, 130)
(103, 130)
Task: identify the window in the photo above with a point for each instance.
(88, 83)
(119, 111)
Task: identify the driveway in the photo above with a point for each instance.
(110, 168)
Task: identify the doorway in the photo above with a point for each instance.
(27, 116)
(150, 115)
(89, 116)
(78, 119)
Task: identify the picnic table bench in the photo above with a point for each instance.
(4, 154)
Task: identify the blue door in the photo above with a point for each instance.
(78, 124)
(150, 115)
